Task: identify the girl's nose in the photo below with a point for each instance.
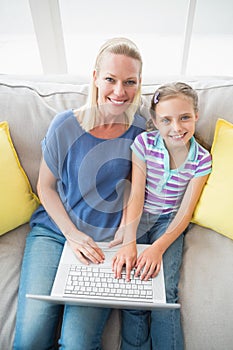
(176, 126)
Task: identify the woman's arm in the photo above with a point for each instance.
(119, 235)
(150, 259)
(127, 254)
(83, 245)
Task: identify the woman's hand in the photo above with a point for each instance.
(85, 248)
(126, 256)
(118, 238)
(149, 263)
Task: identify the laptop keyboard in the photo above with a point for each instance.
(93, 282)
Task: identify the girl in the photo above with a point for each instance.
(169, 171)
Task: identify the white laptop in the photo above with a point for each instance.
(95, 285)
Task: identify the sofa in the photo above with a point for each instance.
(28, 104)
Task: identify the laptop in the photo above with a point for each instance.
(95, 285)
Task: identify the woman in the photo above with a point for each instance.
(81, 185)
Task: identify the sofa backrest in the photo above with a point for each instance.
(30, 103)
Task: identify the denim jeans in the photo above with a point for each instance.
(37, 321)
(165, 331)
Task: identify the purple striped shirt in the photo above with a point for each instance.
(165, 187)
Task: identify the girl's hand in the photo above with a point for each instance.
(126, 256)
(148, 263)
(85, 248)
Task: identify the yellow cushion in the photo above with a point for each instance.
(215, 207)
(17, 201)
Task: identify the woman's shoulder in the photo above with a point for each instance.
(64, 119)
(139, 122)
(63, 116)
(63, 123)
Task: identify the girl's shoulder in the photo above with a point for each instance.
(147, 139)
(201, 150)
(148, 135)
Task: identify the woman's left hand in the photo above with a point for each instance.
(148, 263)
(118, 238)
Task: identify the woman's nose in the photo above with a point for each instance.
(119, 89)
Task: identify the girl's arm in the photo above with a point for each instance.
(83, 245)
(127, 254)
(150, 259)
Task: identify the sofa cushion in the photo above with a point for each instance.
(17, 201)
(206, 286)
(11, 252)
(214, 208)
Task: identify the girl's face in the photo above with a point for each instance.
(118, 81)
(175, 119)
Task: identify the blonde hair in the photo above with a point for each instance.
(171, 90)
(118, 46)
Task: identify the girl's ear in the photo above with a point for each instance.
(196, 116)
(154, 122)
(150, 125)
(153, 119)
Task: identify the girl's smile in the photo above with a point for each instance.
(175, 120)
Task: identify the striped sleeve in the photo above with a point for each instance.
(204, 162)
(139, 147)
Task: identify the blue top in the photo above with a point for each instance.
(90, 175)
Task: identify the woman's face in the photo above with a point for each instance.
(118, 81)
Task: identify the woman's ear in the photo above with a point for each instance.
(95, 77)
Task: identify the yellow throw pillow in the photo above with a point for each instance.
(17, 201)
(215, 207)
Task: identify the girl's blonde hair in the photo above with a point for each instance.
(118, 46)
(172, 90)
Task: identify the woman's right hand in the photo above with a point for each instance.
(85, 248)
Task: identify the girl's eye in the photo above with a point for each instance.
(165, 121)
(185, 117)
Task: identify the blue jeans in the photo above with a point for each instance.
(165, 325)
(37, 321)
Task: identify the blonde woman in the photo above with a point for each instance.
(86, 160)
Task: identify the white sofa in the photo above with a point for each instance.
(206, 284)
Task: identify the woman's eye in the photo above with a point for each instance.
(110, 80)
(130, 82)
